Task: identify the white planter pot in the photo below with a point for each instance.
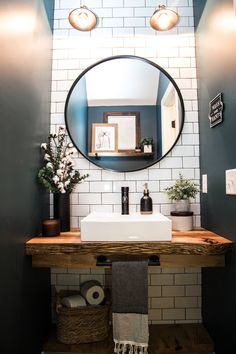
(147, 148)
(182, 205)
(182, 223)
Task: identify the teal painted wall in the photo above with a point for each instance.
(149, 123)
(216, 65)
(25, 66)
(77, 115)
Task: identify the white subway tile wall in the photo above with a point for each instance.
(123, 28)
(174, 293)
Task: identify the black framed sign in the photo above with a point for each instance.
(216, 110)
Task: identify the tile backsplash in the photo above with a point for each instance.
(123, 28)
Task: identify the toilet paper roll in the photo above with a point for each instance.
(73, 301)
(93, 292)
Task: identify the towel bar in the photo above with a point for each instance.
(153, 260)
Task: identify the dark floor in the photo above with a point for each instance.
(164, 339)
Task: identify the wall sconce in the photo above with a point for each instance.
(164, 19)
(83, 19)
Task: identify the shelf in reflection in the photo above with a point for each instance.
(120, 154)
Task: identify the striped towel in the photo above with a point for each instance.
(130, 307)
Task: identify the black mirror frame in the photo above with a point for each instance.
(148, 62)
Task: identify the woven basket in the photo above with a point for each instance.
(82, 324)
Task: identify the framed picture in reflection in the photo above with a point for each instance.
(128, 128)
(104, 137)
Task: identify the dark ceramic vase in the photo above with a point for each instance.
(61, 208)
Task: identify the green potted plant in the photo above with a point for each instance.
(181, 191)
(58, 175)
(146, 144)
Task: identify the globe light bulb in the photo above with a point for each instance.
(82, 20)
(163, 21)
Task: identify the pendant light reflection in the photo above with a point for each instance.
(163, 19)
(82, 19)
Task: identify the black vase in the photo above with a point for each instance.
(61, 209)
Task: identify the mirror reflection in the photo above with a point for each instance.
(124, 113)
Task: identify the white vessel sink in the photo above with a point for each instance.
(133, 227)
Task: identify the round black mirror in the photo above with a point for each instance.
(124, 113)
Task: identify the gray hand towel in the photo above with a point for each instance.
(130, 306)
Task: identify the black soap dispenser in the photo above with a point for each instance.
(146, 202)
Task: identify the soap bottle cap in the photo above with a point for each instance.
(146, 191)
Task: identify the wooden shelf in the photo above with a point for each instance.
(198, 248)
(164, 339)
(126, 153)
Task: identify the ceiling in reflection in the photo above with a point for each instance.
(112, 91)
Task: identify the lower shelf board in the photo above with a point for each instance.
(164, 339)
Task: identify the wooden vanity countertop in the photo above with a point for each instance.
(197, 242)
(198, 248)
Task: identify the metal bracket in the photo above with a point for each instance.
(103, 261)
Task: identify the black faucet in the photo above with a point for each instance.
(124, 200)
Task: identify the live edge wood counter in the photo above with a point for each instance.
(198, 248)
